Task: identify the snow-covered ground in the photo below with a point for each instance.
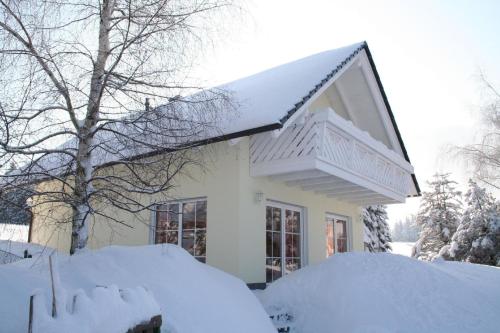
(402, 248)
(375, 293)
(193, 297)
(350, 292)
(11, 251)
(14, 232)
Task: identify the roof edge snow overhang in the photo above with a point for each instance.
(291, 112)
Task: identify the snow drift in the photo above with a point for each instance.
(193, 297)
(363, 293)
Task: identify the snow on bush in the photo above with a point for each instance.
(193, 297)
(365, 292)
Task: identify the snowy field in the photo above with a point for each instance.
(351, 292)
(402, 248)
(14, 232)
(386, 293)
(193, 297)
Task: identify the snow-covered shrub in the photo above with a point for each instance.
(439, 215)
(477, 238)
(377, 236)
(14, 207)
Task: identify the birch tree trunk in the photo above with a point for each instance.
(83, 174)
(75, 75)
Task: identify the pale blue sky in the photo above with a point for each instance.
(428, 54)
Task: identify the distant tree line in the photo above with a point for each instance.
(406, 231)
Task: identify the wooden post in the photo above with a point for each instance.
(54, 309)
(30, 318)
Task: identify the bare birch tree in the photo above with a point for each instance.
(484, 155)
(74, 76)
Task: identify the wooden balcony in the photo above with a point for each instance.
(329, 155)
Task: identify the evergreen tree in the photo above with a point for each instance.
(438, 217)
(477, 239)
(377, 235)
(14, 208)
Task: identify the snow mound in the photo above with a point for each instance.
(193, 297)
(89, 314)
(363, 292)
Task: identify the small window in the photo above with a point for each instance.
(185, 224)
(337, 235)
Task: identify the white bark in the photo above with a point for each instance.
(82, 78)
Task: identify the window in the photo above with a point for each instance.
(283, 240)
(337, 239)
(183, 223)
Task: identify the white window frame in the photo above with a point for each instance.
(302, 210)
(348, 220)
(180, 202)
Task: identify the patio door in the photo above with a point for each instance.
(284, 230)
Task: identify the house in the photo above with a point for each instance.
(314, 142)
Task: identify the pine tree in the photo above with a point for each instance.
(438, 217)
(377, 235)
(477, 238)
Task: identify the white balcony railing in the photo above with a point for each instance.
(328, 144)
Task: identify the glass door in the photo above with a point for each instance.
(283, 240)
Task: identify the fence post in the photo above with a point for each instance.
(30, 320)
(54, 309)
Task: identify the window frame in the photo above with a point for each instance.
(335, 217)
(179, 202)
(302, 235)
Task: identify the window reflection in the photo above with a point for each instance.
(184, 224)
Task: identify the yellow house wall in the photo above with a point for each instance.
(236, 222)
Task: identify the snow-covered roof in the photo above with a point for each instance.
(271, 96)
(265, 101)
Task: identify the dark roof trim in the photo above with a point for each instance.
(391, 115)
(216, 139)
